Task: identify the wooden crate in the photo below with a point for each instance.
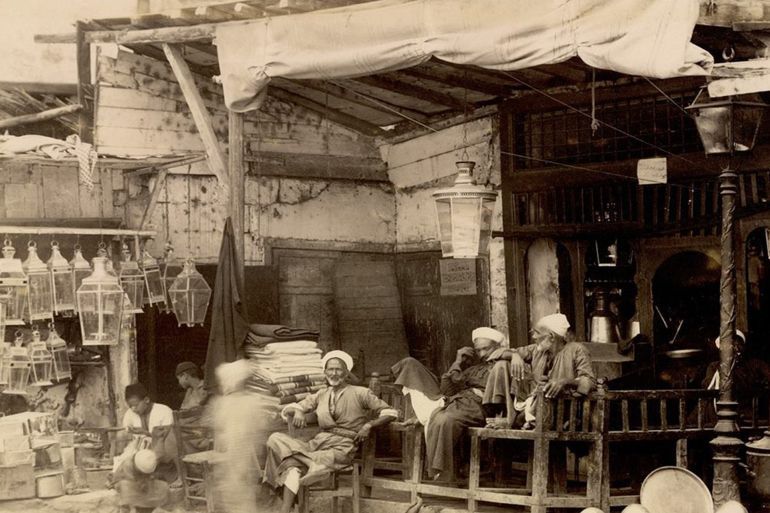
(17, 482)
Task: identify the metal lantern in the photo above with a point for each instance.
(156, 291)
(172, 267)
(464, 213)
(190, 296)
(80, 270)
(17, 367)
(39, 289)
(100, 304)
(132, 280)
(729, 125)
(13, 285)
(5, 356)
(61, 360)
(62, 282)
(42, 362)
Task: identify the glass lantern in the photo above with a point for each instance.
(727, 125)
(464, 213)
(156, 292)
(39, 289)
(42, 362)
(5, 356)
(62, 282)
(132, 280)
(100, 304)
(61, 359)
(80, 270)
(13, 286)
(190, 296)
(17, 367)
(171, 268)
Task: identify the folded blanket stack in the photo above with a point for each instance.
(287, 363)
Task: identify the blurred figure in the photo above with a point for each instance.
(137, 488)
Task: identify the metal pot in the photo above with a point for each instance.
(758, 466)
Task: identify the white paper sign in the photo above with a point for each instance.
(652, 171)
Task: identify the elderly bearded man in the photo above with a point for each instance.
(477, 380)
(344, 414)
(556, 364)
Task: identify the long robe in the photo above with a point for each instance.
(331, 449)
(572, 362)
(465, 390)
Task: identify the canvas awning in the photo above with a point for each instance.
(636, 37)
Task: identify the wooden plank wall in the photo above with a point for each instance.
(141, 110)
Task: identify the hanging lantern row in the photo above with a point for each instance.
(13, 285)
(35, 365)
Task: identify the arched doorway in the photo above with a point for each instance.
(758, 289)
(685, 291)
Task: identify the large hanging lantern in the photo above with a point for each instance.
(171, 268)
(156, 291)
(39, 289)
(42, 362)
(62, 282)
(13, 285)
(190, 296)
(17, 367)
(727, 125)
(61, 360)
(464, 213)
(80, 270)
(100, 304)
(132, 280)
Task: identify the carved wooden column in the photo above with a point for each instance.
(726, 445)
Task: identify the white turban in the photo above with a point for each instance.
(232, 376)
(556, 323)
(342, 355)
(489, 333)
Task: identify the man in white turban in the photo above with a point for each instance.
(446, 408)
(346, 415)
(556, 364)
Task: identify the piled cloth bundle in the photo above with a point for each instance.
(287, 363)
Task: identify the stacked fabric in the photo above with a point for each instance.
(287, 363)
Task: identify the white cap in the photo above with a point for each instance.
(340, 355)
(145, 461)
(556, 323)
(232, 376)
(488, 333)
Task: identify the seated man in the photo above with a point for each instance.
(149, 424)
(343, 413)
(556, 365)
(136, 487)
(448, 408)
(189, 377)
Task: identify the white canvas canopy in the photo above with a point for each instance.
(636, 37)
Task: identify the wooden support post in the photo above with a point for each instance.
(85, 91)
(39, 116)
(237, 187)
(159, 182)
(199, 113)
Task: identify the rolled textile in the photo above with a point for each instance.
(280, 332)
(312, 377)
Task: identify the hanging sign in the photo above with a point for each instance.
(458, 276)
(652, 171)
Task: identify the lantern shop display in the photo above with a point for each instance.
(61, 360)
(62, 282)
(41, 360)
(17, 368)
(13, 285)
(132, 280)
(464, 213)
(171, 268)
(156, 291)
(190, 296)
(100, 306)
(39, 289)
(80, 269)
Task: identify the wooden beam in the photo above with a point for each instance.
(85, 88)
(39, 116)
(62, 89)
(237, 174)
(325, 167)
(169, 35)
(159, 183)
(198, 110)
(564, 71)
(440, 124)
(740, 78)
(332, 115)
(727, 13)
(450, 77)
(415, 91)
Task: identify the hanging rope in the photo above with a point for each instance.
(594, 121)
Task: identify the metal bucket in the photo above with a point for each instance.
(758, 467)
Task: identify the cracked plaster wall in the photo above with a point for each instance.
(420, 166)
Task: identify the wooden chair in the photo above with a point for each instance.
(195, 466)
